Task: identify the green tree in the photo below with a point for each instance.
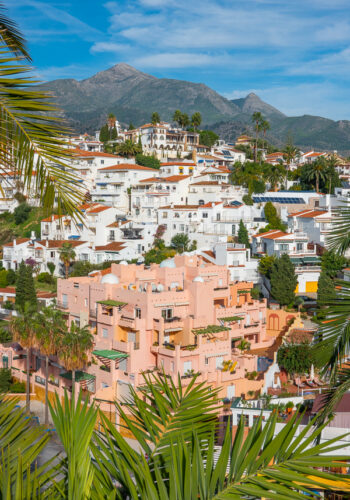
(50, 325)
(131, 126)
(295, 358)
(332, 263)
(196, 120)
(283, 280)
(51, 267)
(243, 345)
(275, 175)
(325, 290)
(177, 116)
(243, 236)
(23, 329)
(208, 138)
(257, 119)
(266, 264)
(147, 161)
(273, 219)
(316, 172)
(21, 213)
(82, 268)
(128, 148)
(265, 126)
(3, 278)
(185, 121)
(20, 298)
(180, 242)
(30, 292)
(248, 200)
(290, 153)
(104, 133)
(75, 346)
(67, 255)
(155, 118)
(5, 380)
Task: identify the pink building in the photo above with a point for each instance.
(183, 315)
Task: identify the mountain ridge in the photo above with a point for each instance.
(133, 95)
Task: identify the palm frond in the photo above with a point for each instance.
(332, 396)
(333, 336)
(74, 423)
(31, 139)
(11, 35)
(339, 237)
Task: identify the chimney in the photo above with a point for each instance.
(33, 236)
(172, 204)
(47, 243)
(14, 243)
(212, 204)
(194, 155)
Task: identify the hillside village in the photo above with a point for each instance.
(203, 260)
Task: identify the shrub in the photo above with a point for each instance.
(44, 278)
(21, 213)
(3, 278)
(5, 379)
(5, 335)
(247, 199)
(11, 277)
(18, 387)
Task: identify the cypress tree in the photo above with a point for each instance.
(325, 291)
(283, 280)
(243, 236)
(104, 134)
(30, 292)
(20, 287)
(113, 133)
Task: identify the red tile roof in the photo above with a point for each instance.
(308, 214)
(209, 183)
(52, 218)
(210, 204)
(103, 272)
(81, 153)
(181, 207)
(271, 235)
(19, 241)
(115, 246)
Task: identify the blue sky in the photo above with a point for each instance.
(293, 54)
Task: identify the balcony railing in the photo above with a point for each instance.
(62, 305)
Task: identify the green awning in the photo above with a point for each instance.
(110, 354)
(234, 339)
(210, 329)
(79, 376)
(231, 318)
(311, 259)
(112, 303)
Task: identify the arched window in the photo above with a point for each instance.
(201, 202)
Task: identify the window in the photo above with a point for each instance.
(123, 365)
(218, 216)
(187, 366)
(85, 302)
(206, 361)
(205, 215)
(218, 361)
(299, 246)
(137, 312)
(245, 420)
(102, 162)
(165, 215)
(52, 255)
(174, 226)
(76, 285)
(111, 235)
(182, 228)
(176, 215)
(64, 300)
(233, 229)
(167, 313)
(283, 247)
(104, 333)
(172, 366)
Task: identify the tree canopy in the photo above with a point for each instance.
(283, 280)
(208, 138)
(243, 236)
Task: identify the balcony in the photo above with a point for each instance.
(62, 305)
(127, 322)
(7, 257)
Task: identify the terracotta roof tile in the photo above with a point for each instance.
(127, 166)
(59, 243)
(115, 246)
(19, 241)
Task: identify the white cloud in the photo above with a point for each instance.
(178, 60)
(108, 47)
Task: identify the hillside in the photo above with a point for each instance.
(133, 95)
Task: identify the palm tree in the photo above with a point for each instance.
(49, 328)
(23, 328)
(31, 135)
(265, 126)
(76, 344)
(196, 120)
(317, 171)
(243, 345)
(184, 121)
(177, 116)
(128, 148)
(175, 428)
(275, 174)
(155, 118)
(290, 153)
(67, 255)
(257, 119)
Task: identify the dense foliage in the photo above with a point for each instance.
(243, 236)
(296, 358)
(266, 264)
(147, 161)
(21, 213)
(332, 263)
(181, 243)
(208, 138)
(283, 280)
(273, 219)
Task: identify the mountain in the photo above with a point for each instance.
(133, 95)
